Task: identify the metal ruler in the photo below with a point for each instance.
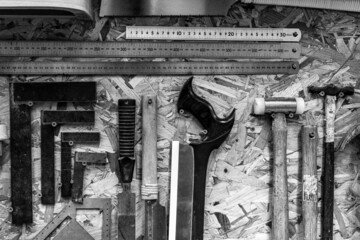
(162, 49)
(212, 34)
(148, 68)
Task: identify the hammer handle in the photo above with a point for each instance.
(328, 170)
(309, 179)
(280, 189)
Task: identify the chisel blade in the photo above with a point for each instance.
(155, 228)
(126, 217)
(181, 196)
(140, 8)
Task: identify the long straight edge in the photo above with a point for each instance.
(173, 189)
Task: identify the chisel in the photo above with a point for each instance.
(126, 199)
(155, 214)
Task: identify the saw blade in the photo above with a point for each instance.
(140, 8)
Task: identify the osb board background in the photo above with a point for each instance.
(238, 198)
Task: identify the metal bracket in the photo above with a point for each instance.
(20, 130)
(49, 120)
(69, 211)
(68, 139)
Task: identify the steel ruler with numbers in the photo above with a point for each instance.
(213, 34)
(149, 68)
(149, 49)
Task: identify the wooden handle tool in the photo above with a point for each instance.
(309, 181)
(279, 107)
(155, 214)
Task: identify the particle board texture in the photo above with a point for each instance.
(239, 186)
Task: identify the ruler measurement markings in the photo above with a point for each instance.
(147, 68)
(151, 49)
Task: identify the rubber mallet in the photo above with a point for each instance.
(279, 108)
(330, 92)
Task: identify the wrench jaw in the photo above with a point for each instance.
(214, 134)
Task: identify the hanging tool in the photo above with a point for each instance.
(50, 120)
(181, 191)
(69, 211)
(126, 199)
(278, 107)
(309, 181)
(68, 139)
(330, 92)
(213, 34)
(22, 98)
(341, 5)
(82, 9)
(142, 8)
(214, 134)
(155, 213)
(148, 68)
(3, 136)
(151, 49)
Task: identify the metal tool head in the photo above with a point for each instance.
(332, 90)
(215, 128)
(279, 105)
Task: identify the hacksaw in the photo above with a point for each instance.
(150, 49)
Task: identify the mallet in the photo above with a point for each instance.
(279, 107)
(329, 92)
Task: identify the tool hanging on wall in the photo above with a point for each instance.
(49, 121)
(126, 199)
(350, 6)
(310, 140)
(155, 213)
(141, 8)
(149, 49)
(69, 211)
(278, 107)
(213, 34)
(68, 139)
(330, 92)
(22, 98)
(81, 160)
(82, 9)
(148, 68)
(214, 134)
(181, 191)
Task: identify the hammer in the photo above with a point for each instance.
(330, 92)
(279, 107)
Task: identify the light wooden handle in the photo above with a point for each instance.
(309, 180)
(149, 188)
(280, 190)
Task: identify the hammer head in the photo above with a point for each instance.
(332, 90)
(279, 105)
